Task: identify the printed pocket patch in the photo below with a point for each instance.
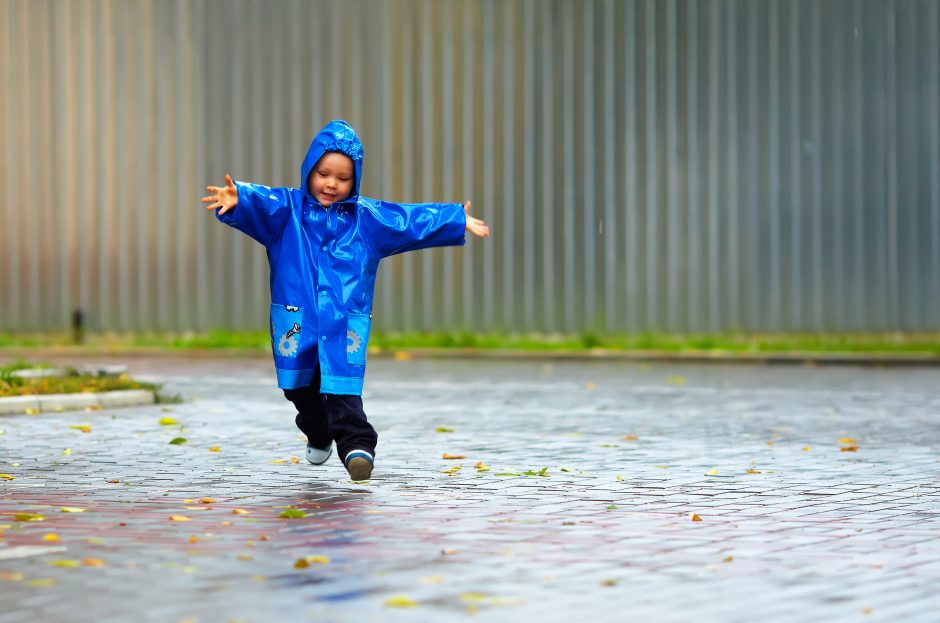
(357, 337)
(286, 328)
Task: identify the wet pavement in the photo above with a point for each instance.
(585, 491)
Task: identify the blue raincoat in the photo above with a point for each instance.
(324, 262)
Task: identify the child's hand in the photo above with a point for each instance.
(225, 197)
(474, 225)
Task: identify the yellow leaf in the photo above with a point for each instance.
(7, 477)
(450, 471)
(609, 582)
(401, 601)
(215, 449)
(675, 380)
(85, 428)
(188, 501)
(40, 583)
(630, 438)
(67, 452)
(178, 518)
(712, 472)
(71, 509)
(294, 460)
(753, 471)
(301, 563)
(263, 537)
(193, 538)
(167, 421)
(93, 562)
(226, 523)
(847, 440)
(452, 456)
(806, 448)
(848, 449)
(449, 551)
(694, 517)
(32, 411)
(239, 511)
(279, 461)
(94, 541)
(11, 576)
(770, 443)
(620, 478)
(244, 557)
(431, 579)
(401, 355)
(28, 517)
(64, 563)
(206, 501)
(320, 560)
(52, 538)
(727, 559)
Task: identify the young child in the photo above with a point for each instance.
(324, 242)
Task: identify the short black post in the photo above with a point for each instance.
(78, 327)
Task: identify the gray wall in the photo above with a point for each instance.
(667, 165)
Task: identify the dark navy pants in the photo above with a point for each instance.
(324, 418)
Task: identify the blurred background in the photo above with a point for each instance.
(644, 165)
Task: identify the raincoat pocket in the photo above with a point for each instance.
(286, 325)
(357, 337)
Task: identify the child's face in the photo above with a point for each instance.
(331, 179)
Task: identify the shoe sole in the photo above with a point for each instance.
(359, 468)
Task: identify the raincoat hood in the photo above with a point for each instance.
(335, 136)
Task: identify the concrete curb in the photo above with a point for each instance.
(18, 405)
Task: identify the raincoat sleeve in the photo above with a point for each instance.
(262, 212)
(400, 227)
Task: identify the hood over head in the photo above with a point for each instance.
(336, 136)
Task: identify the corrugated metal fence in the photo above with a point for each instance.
(667, 165)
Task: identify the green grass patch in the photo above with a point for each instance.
(72, 382)
(258, 342)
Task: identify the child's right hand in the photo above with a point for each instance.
(225, 197)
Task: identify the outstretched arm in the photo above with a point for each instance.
(259, 211)
(400, 227)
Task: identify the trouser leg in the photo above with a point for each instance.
(311, 416)
(348, 424)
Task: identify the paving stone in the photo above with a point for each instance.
(816, 534)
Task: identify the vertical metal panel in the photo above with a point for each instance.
(644, 165)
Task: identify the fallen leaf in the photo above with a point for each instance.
(114, 481)
(675, 380)
(727, 559)
(449, 551)
(94, 541)
(40, 583)
(28, 517)
(450, 471)
(294, 460)
(807, 448)
(481, 466)
(176, 441)
(620, 478)
(93, 562)
(263, 537)
(402, 356)
(188, 501)
(694, 517)
(318, 560)
(71, 509)
(279, 461)
(11, 576)
(245, 557)
(215, 449)
(293, 513)
(85, 428)
(226, 523)
(609, 582)
(7, 477)
(400, 601)
(68, 564)
(847, 440)
(712, 472)
(179, 518)
(193, 538)
(431, 579)
(206, 501)
(239, 511)
(770, 443)
(866, 611)
(32, 411)
(443, 429)
(167, 421)
(301, 563)
(52, 538)
(753, 471)
(630, 438)
(507, 473)
(848, 449)
(67, 452)
(452, 456)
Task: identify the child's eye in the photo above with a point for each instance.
(344, 179)
(321, 173)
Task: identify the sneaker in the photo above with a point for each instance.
(359, 464)
(318, 456)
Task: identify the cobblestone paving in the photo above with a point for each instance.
(795, 526)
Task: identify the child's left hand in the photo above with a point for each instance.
(474, 225)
